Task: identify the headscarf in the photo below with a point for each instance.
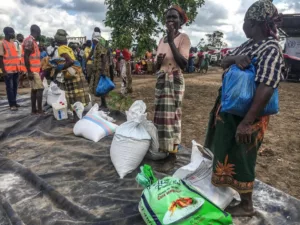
(61, 36)
(126, 54)
(265, 11)
(181, 12)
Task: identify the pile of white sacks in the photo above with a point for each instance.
(132, 141)
(53, 94)
(137, 138)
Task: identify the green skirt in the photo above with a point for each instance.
(234, 164)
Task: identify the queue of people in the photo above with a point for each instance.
(19, 57)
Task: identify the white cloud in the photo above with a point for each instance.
(21, 16)
(79, 17)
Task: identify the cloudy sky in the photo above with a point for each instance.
(79, 17)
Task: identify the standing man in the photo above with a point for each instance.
(9, 64)
(19, 48)
(18, 44)
(33, 66)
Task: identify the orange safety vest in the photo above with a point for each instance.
(34, 59)
(11, 59)
(22, 64)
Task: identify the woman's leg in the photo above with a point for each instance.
(234, 164)
(179, 87)
(164, 112)
(103, 102)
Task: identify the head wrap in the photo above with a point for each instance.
(61, 36)
(181, 12)
(265, 11)
(126, 54)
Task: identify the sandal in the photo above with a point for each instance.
(175, 149)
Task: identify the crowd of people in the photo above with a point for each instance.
(234, 140)
(35, 61)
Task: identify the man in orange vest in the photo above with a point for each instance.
(33, 65)
(9, 64)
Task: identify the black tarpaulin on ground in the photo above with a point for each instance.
(49, 176)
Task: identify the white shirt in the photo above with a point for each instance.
(50, 49)
(19, 48)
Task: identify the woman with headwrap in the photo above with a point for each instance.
(75, 85)
(234, 140)
(171, 59)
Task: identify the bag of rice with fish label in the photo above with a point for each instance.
(171, 201)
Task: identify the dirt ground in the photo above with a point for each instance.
(279, 158)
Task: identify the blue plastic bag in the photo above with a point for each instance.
(238, 91)
(105, 85)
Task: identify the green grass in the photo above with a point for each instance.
(118, 101)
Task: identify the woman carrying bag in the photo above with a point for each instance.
(75, 84)
(235, 140)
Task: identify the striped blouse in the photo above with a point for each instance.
(270, 61)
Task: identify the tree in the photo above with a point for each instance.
(140, 21)
(215, 39)
(46, 41)
(225, 45)
(201, 45)
(42, 39)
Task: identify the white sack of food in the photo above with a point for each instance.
(53, 94)
(62, 98)
(199, 173)
(93, 127)
(78, 107)
(131, 141)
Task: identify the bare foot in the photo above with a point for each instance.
(241, 210)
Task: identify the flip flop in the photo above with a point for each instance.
(175, 149)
